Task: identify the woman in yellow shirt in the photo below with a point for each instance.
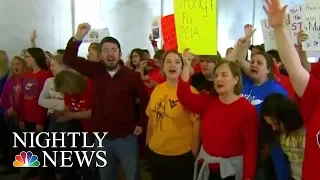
(173, 133)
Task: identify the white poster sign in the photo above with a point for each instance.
(268, 34)
(311, 24)
(96, 35)
(156, 27)
(296, 18)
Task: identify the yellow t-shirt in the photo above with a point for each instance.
(172, 124)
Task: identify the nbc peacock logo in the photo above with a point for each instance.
(26, 159)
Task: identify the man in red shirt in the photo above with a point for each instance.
(115, 90)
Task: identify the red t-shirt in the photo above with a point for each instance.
(310, 108)
(197, 68)
(227, 130)
(315, 70)
(81, 102)
(31, 88)
(150, 63)
(155, 76)
(285, 82)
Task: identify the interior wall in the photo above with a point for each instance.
(129, 21)
(51, 18)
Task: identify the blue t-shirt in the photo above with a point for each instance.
(256, 94)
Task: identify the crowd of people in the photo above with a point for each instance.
(200, 117)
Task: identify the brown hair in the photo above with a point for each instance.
(269, 63)
(212, 58)
(23, 62)
(4, 63)
(164, 58)
(236, 72)
(95, 46)
(58, 59)
(159, 54)
(69, 81)
(174, 52)
(140, 54)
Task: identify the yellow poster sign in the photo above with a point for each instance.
(196, 25)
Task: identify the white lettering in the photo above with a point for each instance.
(84, 157)
(104, 161)
(17, 137)
(39, 143)
(84, 145)
(73, 134)
(55, 140)
(64, 158)
(52, 160)
(31, 140)
(100, 140)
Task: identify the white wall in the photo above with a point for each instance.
(128, 20)
(51, 18)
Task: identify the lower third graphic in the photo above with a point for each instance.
(26, 159)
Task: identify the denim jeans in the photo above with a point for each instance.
(124, 150)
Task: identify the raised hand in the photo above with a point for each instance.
(150, 37)
(143, 64)
(82, 31)
(187, 57)
(245, 41)
(302, 36)
(276, 13)
(33, 36)
(249, 31)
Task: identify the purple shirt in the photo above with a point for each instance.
(11, 95)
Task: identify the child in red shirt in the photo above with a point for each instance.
(32, 114)
(78, 97)
(155, 76)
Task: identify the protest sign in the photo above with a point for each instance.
(168, 30)
(268, 34)
(196, 26)
(96, 35)
(296, 19)
(311, 24)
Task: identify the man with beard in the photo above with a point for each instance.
(115, 90)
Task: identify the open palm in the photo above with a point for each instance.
(275, 12)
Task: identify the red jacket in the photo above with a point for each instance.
(113, 108)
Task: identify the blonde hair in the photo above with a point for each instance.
(4, 63)
(23, 62)
(58, 59)
(23, 53)
(69, 81)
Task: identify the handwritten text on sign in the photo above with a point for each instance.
(169, 32)
(311, 23)
(268, 33)
(196, 25)
(296, 18)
